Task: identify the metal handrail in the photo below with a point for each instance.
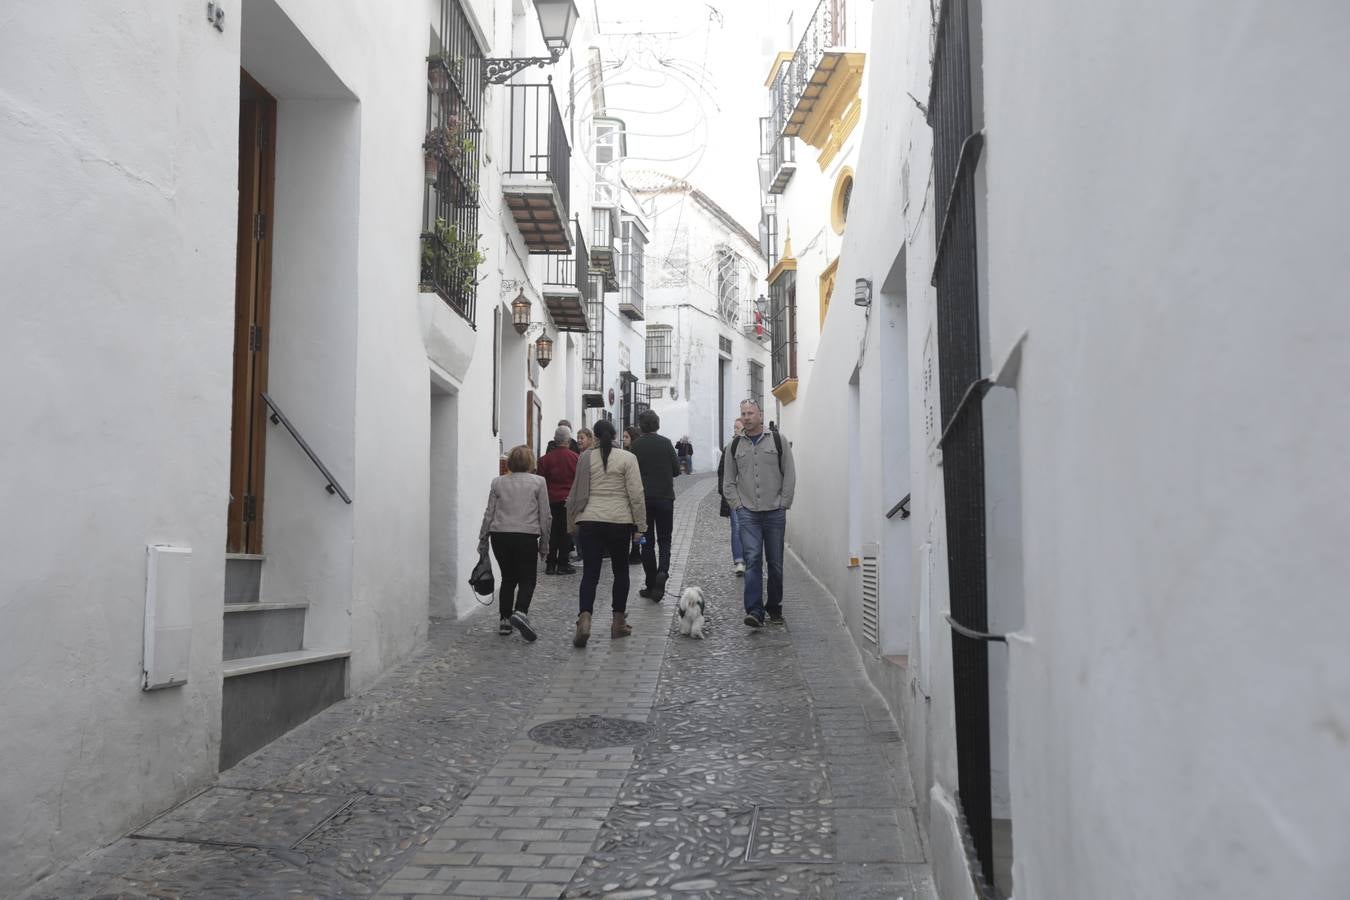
(902, 508)
(279, 417)
(974, 635)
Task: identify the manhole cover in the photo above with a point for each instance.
(589, 732)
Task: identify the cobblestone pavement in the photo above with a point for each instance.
(750, 764)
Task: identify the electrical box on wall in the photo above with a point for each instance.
(168, 616)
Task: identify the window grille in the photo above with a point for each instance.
(658, 351)
(593, 342)
(757, 383)
(783, 326)
(729, 267)
(956, 150)
(450, 254)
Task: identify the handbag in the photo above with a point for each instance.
(480, 579)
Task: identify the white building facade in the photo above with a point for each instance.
(707, 345)
(272, 370)
(1089, 361)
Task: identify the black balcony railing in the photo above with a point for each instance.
(571, 269)
(604, 228)
(783, 327)
(636, 398)
(824, 32)
(539, 147)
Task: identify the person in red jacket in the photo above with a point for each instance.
(559, 468)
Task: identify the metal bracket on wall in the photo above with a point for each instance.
(902, 508)
(215, 14)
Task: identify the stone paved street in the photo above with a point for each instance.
(750, 764)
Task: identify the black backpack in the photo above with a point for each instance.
(777, 445)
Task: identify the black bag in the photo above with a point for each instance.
(480, 579)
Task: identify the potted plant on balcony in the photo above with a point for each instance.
(439, 146)
(450, 260)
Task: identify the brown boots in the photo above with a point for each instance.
(620, 628)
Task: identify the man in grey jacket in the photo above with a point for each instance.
(758, 481)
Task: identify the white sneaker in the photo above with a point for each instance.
(740, 567)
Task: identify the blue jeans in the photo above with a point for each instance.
(737, 555)
(762, 538)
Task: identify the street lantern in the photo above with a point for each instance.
(557, 18)
(761, 304)
(520, 312)
(543, 350)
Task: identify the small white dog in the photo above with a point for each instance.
(691, 608)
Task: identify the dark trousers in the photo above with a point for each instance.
(559, 544)
(517, 555)
(656, 552)
(599, 540)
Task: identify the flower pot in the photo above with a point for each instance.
(433, 168)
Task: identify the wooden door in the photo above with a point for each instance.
(253, 281)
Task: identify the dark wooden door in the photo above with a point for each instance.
(253, 280)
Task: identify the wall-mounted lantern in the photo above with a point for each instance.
(543, 350)
(862, 292)
(520, 312)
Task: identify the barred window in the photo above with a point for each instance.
(450, 252)
(783, 326)
(658, 351)
(729, 268)
(757, 383)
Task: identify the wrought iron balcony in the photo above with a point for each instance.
(604, 241)
(632, 268)
(779, 153)
(566, 284)
(536, 180)
(814, 90)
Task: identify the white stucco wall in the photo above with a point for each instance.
(117, 233)
(1180, 689)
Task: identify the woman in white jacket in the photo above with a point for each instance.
(606, 507)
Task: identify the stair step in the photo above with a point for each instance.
(256, 606)
(262, 629)
(243, 577)
(263, 697)
(251, 665)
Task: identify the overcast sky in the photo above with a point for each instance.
(687, 78)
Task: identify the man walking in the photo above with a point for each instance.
(758, 482)
(685, 451)
(559, 468)
(659, 466)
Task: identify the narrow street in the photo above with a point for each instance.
(750, 764)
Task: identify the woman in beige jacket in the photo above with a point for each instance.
(605, 508)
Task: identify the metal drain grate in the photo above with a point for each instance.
(589, 732)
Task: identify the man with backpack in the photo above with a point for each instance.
(758, 481)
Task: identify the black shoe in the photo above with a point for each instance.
(504, 626)
(522, 623)
(550, 570)
(647, 593)
(754, 621)
(776, 616)
(565, 570)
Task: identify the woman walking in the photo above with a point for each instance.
(605, 508)
(517, 521)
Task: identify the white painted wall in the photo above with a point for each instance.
(117, 234)
(1180, 688)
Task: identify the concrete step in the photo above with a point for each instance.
(261, 629)
(267, 695)
(243, 577)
